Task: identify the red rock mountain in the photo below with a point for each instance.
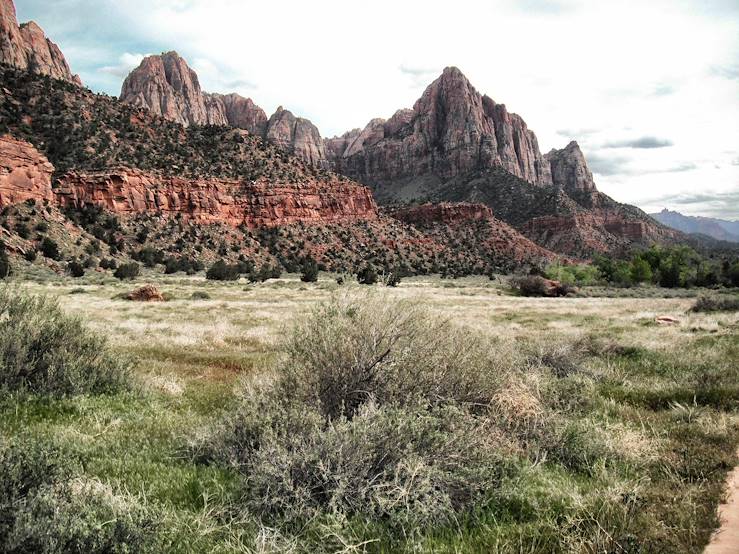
(26, 47)
(451, 129)
(167, 86)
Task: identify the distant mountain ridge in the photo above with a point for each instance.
(454, 145)
(719, 229)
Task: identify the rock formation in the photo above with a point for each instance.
(167, 86)
(570, 170)
(25, 173)
(26, 47)
(451, 129)
(297, 136)
(253, 204)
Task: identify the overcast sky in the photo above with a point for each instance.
(650, 90)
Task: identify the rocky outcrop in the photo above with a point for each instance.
(445, 212)
(240, 112)
(26, 47)
(571, 173)
(452, 129)
(297, 136)
(25, 174)
(167, 86)
(253, 204)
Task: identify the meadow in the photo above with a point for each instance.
(592, 427)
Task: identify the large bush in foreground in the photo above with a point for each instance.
(43, 350)
(380, 411)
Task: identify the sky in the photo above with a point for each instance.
(650, 90)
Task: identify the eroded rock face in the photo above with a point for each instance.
(297, 136)
(254, 204)
(26, 47)
(167, 86)
(570, 170)
(240, 112)
(24, 173)
(451, 129)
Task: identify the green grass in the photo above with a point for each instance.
(666, 398)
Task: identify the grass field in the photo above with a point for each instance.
(652, 412)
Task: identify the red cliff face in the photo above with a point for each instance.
(259, 204)
(24, 173)
(26, 47)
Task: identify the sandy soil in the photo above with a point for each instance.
(726, 539)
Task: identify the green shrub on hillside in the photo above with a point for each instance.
(45, 351)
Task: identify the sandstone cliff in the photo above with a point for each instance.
(233, 202)
(167, 86)
(451, 129)
(26, 47)
(24, 173)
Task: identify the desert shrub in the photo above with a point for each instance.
(309, 271)
(127, 271)
(367, 275)
(200, 295)
(46, 508)
(30, 255)
(531, 285)
(43, 350)
(716, 304)
(380, 410)
(221, 271)
(406, 466)
(50, 249)
(5, 268)
(108, 263)
(355, 349)
(75, 269)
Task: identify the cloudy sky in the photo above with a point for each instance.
(650, 90)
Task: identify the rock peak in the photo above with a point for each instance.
(26, 47)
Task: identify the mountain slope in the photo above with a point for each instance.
(457, 145)
(719, 229)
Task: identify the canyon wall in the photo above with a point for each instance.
(25, 174)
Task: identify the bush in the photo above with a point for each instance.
(200, 295)
(43, 350)
(221, 271)
(309, 271)
(380, 411)
(30, 255)
(44, 508)
(50, 249)
(127, 271)
(5, 268)
(367, 275)
(716, 304)
(108, 263)
(535, 285)
(353, 350)
(75, 269)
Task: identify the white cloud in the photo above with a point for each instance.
(126, 63)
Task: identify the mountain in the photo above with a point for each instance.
(458, 145)
(167, 86)
(719, 229)
(26, 47)
(167, 176)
